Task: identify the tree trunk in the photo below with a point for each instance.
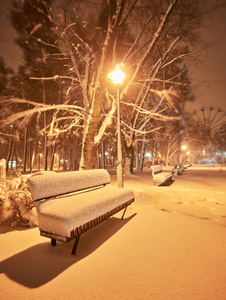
(53, 155)
(45, 153)
(45, 134)
(32, 155)
(12, 153)
(142, 154)
(88, 153)
(71, 151)
(10, 149)
(76, 155)
(155, 150)
(129, 159)
(98, 158)
(137, 157)
(168, 151)
(89, 147)
(25, 150)
(102, 156)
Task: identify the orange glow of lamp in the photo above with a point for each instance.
(117, 76)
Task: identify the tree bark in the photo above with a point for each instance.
(102, 156)
(137, 156)
(142, 154)
(53, 155)
(25, 150)
(10, 149)
(89, 149)
(129, 159)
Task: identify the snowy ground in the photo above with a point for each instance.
(171, 245)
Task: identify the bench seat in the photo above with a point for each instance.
(163, 176)
(62, 215)
(159, 176)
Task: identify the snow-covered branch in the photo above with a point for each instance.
(105, 125)
(152, 113)
(57, 131)
(140, 131)
(38, 108)
(55, 77)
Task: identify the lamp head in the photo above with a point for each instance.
(117, 76)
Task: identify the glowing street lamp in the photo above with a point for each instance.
(181, 154)
(117, 77)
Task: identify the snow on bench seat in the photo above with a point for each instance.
(160, 176)
(61, 215)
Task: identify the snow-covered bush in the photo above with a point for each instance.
(16, 205)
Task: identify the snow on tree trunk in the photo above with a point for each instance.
(89, 148)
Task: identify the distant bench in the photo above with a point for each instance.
(160, 176)
(179, 169)
(70, 203)
(188, 165)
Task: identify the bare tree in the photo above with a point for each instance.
(89, 42)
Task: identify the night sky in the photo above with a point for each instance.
(209, 75)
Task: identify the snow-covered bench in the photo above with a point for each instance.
(188, 165)
(70, 203)
(179, 169)
(159, 176)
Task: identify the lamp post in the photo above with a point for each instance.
(117, 76)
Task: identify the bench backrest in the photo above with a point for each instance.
(156, 169)
(54, 184)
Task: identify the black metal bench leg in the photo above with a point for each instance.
(75, 244)
(53, 242)
(124, 213)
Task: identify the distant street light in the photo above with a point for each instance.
(117, 77)
(181, 157)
